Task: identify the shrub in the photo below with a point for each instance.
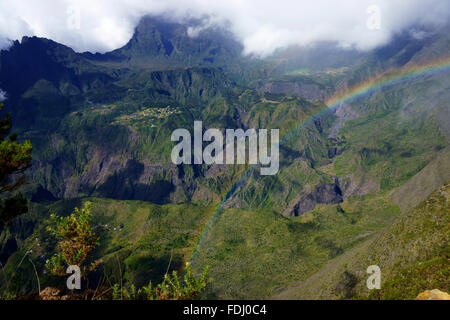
(173, 287)
(77, 239)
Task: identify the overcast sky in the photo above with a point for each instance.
(261, 25)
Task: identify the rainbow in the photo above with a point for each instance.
(389, 78)
(381, 81)
(386, 79)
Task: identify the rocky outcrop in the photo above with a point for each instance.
(328, 193)
(334, 152)
(433, 295)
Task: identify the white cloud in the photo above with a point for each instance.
(261, 25)
(2, 95)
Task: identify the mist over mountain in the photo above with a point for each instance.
(261, 27)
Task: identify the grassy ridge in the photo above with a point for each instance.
(412, 253)
(139, 242)
(255, 253)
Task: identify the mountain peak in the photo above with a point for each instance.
(160, 43)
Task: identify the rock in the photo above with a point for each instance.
(327, 193)
(334, 152)
(50, 293)
(433, 295)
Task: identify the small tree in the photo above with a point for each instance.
(15, 158)
(77, 239)
(173, 287)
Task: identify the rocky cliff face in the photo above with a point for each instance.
(328, 193)
(160, 44)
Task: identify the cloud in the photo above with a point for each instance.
(261, 25)
(2, 95)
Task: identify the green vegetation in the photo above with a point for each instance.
(77, 239)
(412, 253)
(418, 243)
(15, 158)
(173, 287)
(164, 240)
(148, 113)
(139, 242)
(257, 253)
(388, 148)
(407, 283)
(100, 127)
